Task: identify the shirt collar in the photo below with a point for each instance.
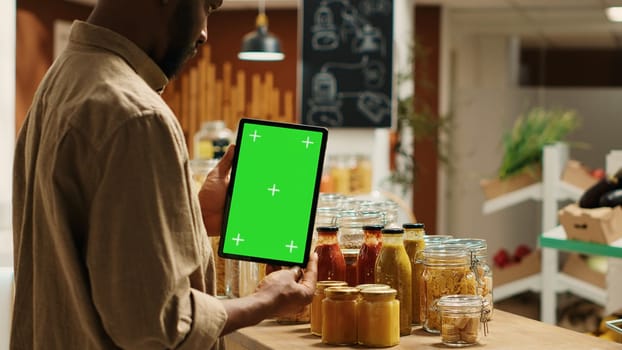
(83, 33)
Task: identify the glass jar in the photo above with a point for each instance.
(340, 166)
(330, 200)
(351, 257)
(331, 264)
(378, 317)
(351, 224)
(478, 249)
(414, 244)
(446, 271)
(461, 317)
(366, 263)
(212, 140)
(316, 304)
(361, 174)
(339, 316)
(393, 269)
(372, 285)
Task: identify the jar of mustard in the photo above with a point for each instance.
(378, 317)
(462, 316)
(339, 316)
(316, 304)
(414, 244)
(393, 269)
(446, 271)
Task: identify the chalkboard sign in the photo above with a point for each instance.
(347, 64)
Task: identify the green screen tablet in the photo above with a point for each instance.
(271, 200)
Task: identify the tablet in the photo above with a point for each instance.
(272, 197)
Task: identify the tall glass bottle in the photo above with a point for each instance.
(414, 243)
(393, 269)
(366, 263)
(331, 263)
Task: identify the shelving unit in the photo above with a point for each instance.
(554, 281)
(551, 190)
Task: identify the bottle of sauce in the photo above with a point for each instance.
(414, 243)
(366, 263)
(331, 263)
(393, 269)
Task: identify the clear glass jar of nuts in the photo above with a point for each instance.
(462, 316)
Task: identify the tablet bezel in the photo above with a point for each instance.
(228, 199)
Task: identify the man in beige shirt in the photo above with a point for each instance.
(111, 249)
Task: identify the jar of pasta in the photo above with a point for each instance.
(461, 317)
(378, 317)
(316, 304)
(478, 250)
(414, 244)
(339, 316)
(351, 224)
(446, 271)
(393, 269)
(366, 263)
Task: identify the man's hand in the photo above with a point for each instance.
(290, 289)
(212, 194)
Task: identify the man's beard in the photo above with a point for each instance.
(182, 43)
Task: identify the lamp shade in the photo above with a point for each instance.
(260, 45)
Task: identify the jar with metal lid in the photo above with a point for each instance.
(366, 263)
(461, 318)
(351, 257)
(339, 316)
(316, 304)
(372, 285)
(414, 244)
(331, 264)
(378, 317)
(351, 226)
(446, 271)
(212, 140)
(393, 269)
(478, 250)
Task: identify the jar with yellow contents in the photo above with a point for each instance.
(393, 268)
(414, 243)
(339, 316)
(378, 317)
(447, 271)
(316, 304)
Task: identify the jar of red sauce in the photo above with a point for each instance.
(331, 263)
(366, 263)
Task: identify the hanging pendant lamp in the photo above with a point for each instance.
(261, 45)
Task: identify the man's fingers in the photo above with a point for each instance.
(224, 165)
(310, 274)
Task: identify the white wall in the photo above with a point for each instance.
(7, 120)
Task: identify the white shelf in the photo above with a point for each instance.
(531, 283)
(533, 191)
(585, 290)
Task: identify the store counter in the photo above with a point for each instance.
(506, 331)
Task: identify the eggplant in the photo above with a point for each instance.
(611, 198)
(592, 196)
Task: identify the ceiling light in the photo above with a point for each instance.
(261, 45)
(614, 14)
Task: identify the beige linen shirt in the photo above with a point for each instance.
(110, 247)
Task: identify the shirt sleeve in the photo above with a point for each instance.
(143, 245)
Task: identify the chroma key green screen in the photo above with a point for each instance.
(273, 192)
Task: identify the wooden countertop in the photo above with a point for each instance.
(507, 332)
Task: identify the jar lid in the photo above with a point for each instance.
(373, 227)
(378, 291)
(348, 252)
(393, 231)
(327, 229)
(456, 301)
(321, 285)
(414, 225)
(373, 285)
(341, 292)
